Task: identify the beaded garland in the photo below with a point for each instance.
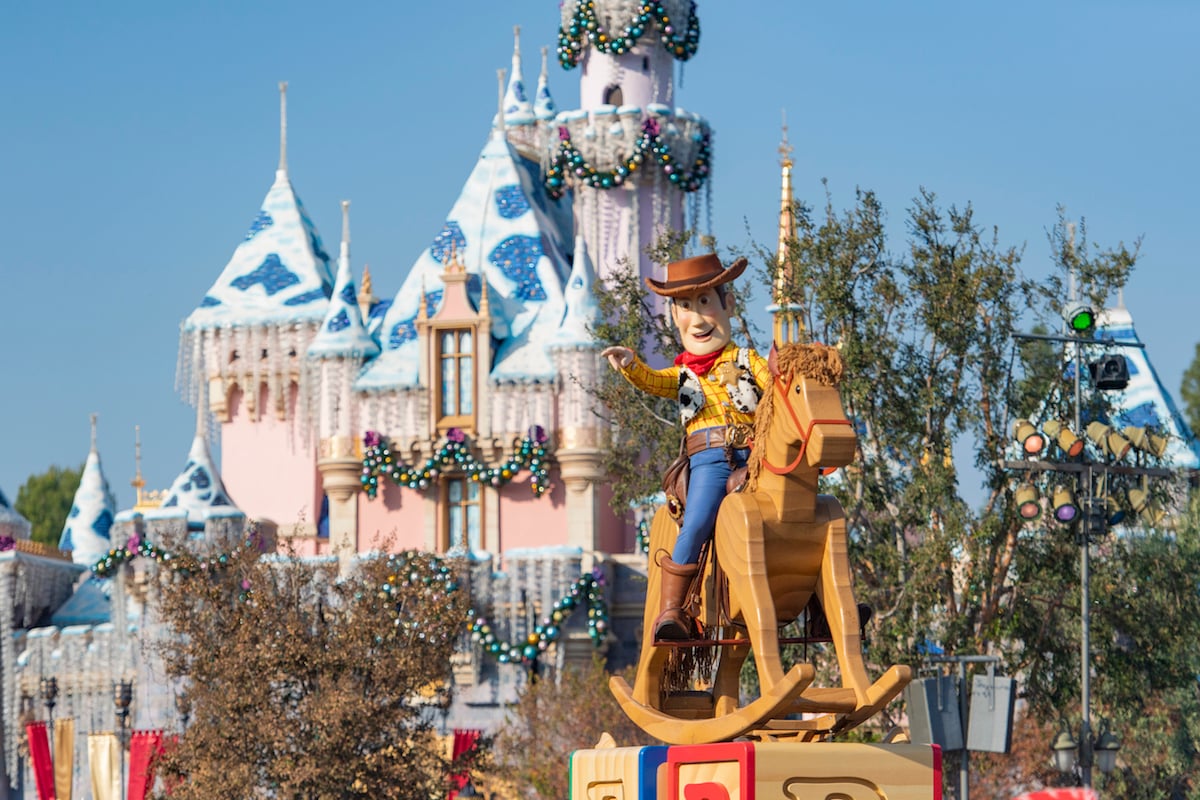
(650, 147)
(455, 455)
(584, 28)
(585, 590)
(643, 536)
(407, 568)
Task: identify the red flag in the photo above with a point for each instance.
(39, 754)
(143, 747)
(464, 743)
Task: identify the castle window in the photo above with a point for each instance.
(613, 96)
(461, 516)
(645, 63)
(455, 382)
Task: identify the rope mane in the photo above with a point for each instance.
(817, 362)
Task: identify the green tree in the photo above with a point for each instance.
(45, 500)
(928, 339)
(1189, 392)
(303, 684)
(645, 430)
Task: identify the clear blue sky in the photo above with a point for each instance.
(138, 139)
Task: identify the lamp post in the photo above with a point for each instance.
(1087, 752)
(1095, 521)
(48, 689)
(122, 699)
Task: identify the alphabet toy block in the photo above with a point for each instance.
(803, 771)
(618, 773)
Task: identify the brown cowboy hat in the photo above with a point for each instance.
(695, 274)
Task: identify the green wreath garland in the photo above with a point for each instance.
(454, 454)
(586, 591)
(585, 29)
(650, 147)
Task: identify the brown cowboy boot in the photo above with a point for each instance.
(673, 623)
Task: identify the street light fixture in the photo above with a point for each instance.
(1099, 751)
(1028, 504)
(1064, 437)
(1066, 510)
(1031, 439)
(1109, 442)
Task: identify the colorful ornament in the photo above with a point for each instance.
(588, 588)
(454, 455)
(585, 29)
(651, 148)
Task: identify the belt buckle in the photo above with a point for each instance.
(738, 436)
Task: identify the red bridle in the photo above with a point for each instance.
(805, 438)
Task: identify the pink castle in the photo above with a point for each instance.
(474, 375)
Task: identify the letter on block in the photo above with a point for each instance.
(803, 771)
(618, 773)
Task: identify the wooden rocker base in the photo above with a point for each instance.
(674, 730)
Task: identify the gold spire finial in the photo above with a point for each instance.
(785, 148)
(787, 324)
(283, 126)
(366, 298)
(137, 481)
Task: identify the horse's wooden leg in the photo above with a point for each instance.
(837, 597)
(727, 684)
(741, 550)
(663, 532)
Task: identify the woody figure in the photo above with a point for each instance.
(718, 386)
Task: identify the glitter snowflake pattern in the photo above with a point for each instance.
(517, 257)
(271, 274)
(260, 223)
(511, 201)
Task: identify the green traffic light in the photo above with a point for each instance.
(1080, 318)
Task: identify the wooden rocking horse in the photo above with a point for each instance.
(777, 545)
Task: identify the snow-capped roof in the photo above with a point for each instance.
(517, 108)
(11, 522)
(86, 532)
(504, 228)
(198, 491)
(91, 604)
(583, 309)
(342, 334)
(543, 103)
(279, 273)
(1145, 402)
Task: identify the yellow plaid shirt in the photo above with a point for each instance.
(717, 408)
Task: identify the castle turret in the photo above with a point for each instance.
(333, 361)
(87, 530)
(630, 155)
(246, 344)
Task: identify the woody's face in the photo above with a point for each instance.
(702, 320)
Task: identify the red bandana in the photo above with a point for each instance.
(698, 364)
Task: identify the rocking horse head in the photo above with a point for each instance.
(800, 424)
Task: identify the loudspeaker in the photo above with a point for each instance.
(933, 716)
(991, 716)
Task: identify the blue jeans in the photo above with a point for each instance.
(706, 489)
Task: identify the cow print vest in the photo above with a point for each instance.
(743, 395)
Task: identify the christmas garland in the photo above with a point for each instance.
(649, 146)
(643, 536)
(455, 455)
(584, 28)
(586, 590)
(408, 568)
